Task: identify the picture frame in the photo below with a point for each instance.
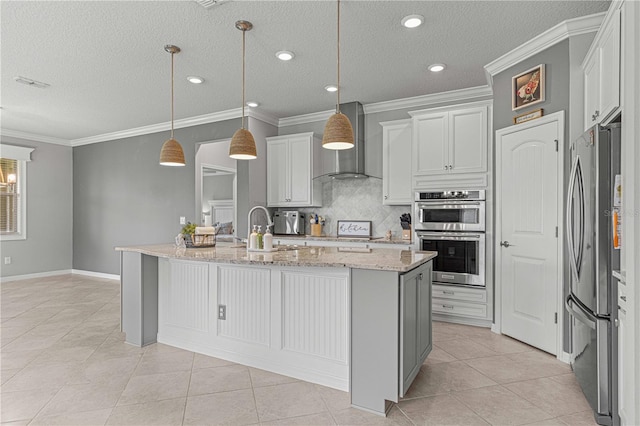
(527, 116)
(354, 229)
(527, 88)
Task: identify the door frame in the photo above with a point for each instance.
(500, 133)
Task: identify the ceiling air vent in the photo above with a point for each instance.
(208, 4)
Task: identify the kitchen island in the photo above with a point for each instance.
(359, 321)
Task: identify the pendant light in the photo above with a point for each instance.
(338, 132)
(243, 146)
(171, 153)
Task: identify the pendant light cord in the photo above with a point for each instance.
(338, 104)
(172, 53)
(243, 54)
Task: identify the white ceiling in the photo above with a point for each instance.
(108, 71)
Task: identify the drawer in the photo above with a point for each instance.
(454, 307)
(459, 293)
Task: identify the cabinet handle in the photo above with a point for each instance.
(386, 197)
(446, 167)
(420, 276)
(451, 293)
(597, 114)
(450, 167)
(623, 298)
(447, 306)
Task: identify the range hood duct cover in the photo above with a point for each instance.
(348, 163)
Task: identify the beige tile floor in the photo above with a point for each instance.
(64, 363)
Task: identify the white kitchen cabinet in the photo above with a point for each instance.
(396, 162)
(601, 70)
(293, 161)
(461, 304)
(450, 141)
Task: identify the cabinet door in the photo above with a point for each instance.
(409, 330)
(592, 90)
(430, 144)
(300, 165)
(468, 140)
(396, 163)
(277, 173)
(610, 68)
(424, 313)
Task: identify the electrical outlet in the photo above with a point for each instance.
(183, 220)
(222, 312)
(7, 260)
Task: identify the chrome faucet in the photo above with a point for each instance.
(266, 212)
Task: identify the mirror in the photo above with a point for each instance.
(216, 186)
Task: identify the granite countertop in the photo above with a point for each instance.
(381, 259)
(377, 240)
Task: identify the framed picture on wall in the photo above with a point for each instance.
(527, 88)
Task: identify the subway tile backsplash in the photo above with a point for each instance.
(357, 199)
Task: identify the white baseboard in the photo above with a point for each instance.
(36, 275)
(96, 274)
(495, 328)
(565, 357)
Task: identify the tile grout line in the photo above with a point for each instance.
(186, 399)
(253, 392)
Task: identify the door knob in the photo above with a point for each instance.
(505, 244)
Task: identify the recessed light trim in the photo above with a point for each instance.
(412, 21)
(285, 55)
(331, 88)
(437, 67)
(194, 79)
(252, 104)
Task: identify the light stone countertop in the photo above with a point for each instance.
(377, 240)
(380, 259)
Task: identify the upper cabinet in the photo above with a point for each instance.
(292, 163)
(601, 70)
(396, 162)
(450, 141)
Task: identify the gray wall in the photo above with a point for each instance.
(217, 188)
(122, 196)
(49, 212)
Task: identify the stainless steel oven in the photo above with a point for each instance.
(450, 211)
(461, 256)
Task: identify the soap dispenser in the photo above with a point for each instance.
(253, 239)
(268, 239)
(259, 238)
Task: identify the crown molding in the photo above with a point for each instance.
(306, 118)
(429, 100)
(178, 124)
(34, 137)
(554, 35)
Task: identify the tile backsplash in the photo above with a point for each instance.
(357, 199)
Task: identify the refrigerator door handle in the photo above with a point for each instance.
(569, 223)
(580, 182)
(577, 311)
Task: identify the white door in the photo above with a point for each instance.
(300, 164)
(277, 170)
(527, 178)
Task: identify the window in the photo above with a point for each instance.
(13, 160)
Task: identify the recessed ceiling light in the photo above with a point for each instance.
(412, 21)
(331, 88)
(436, 67)
(252, 104)
(285, 55)
(195, 79)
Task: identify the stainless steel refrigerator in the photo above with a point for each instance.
(592, 296)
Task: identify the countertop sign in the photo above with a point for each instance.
(354, 228)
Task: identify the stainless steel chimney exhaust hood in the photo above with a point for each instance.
(347, 163)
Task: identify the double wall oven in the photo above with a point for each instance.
(453, 224)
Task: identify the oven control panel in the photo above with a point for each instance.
(451, 195)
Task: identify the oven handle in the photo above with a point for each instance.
(449, 204)
(459, 236)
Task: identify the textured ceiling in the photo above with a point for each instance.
(109, 72)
